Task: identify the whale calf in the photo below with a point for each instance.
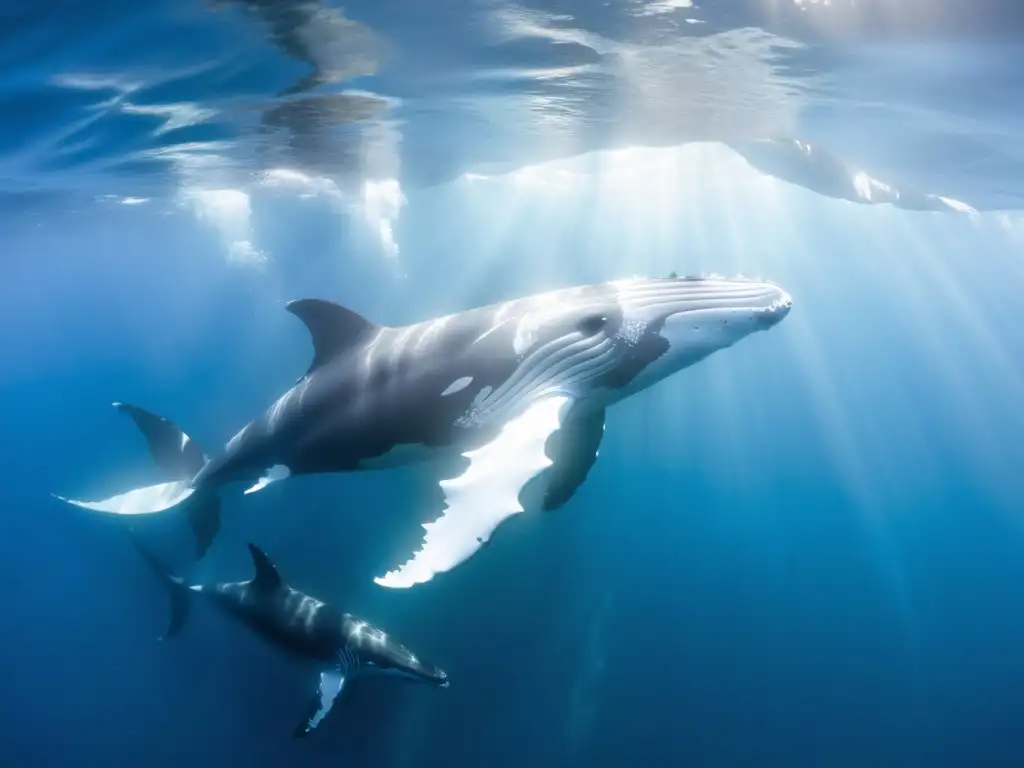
(519, 388)
(337, 644)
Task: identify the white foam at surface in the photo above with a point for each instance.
(383, 201)
(230, 212)
(299, 183)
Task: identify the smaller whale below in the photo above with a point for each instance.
(336, 645)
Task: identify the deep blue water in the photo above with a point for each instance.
(807, 550)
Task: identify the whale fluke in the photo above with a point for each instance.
(175, 587)
(179, 459)
(177, 455)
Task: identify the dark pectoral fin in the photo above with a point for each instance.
(573, 451)
(331, 684)
(203, 513)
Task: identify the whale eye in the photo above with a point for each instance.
(593, 324)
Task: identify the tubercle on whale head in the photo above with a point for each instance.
(738, 277)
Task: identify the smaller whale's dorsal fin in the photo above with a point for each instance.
(266, 578)
(333, 328)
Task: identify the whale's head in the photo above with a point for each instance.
(381, 654)
(435, 676)
(601, 343)
(611, 340)
(409, 668)
(663, 325)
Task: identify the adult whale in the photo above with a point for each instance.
(520, 387)
(337, 645)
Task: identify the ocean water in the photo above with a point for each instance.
(806, 550)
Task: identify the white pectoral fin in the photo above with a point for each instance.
(486, 494)
(272, 475)
(332, 681)
(140, 501)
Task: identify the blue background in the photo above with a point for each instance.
(806, 550)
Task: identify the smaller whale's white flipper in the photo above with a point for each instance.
(486, 494)
(331, 683)
(140, 501)
(272, 475)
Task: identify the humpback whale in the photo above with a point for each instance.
(338, 645)
(519, 388)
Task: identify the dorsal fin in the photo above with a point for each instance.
(266, 578)
(333, 328)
